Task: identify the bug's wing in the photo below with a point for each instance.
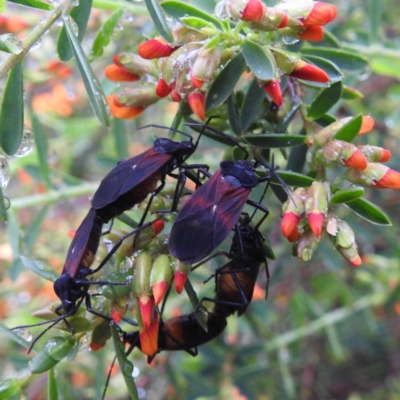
(86, 240)
(206, 219)
(126, 175)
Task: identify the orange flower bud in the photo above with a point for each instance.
(316, 220)
(294, 235)
(135, 64)
(390, 180)
(273, 89)
(312, 33)
(253, 11)
(197, 102)
(357, 161)
(118, 74)
(350, 254)
(289, 223)
(162, 88)
(375, 175)
(376, 154)
(309, 72)
(320, 14)
(149, 337)
(345, 153)
(180, 280)
(60, 69)
(155, 48)
(13, 24)
(121, 111)
(175, 96)
(147, 308)
(367, 124)
(316, 205)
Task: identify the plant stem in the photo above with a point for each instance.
(54, 196)
(114, 5)
(33, 37)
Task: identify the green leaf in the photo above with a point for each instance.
(14, 336)
(375, 18)
(349, 131)
(344, 59)
(10, 43)
(325, 120)
(178, 10)
(80, 14)
(52, 353)
(92, 85)
(121, 142)
(43, 270)
(260, 60)
(52, 391)
(33, 229)
(196, 23)
(325, 100)
(33, 3)
(12, 112)
(103, 36)
(272, 140)
(157, 15)
(233, 114)
(125, 365)
(223, 85)
(334, 73)
(294, 179)
(9, 388)
(42, 148)
(3, 209)
(252, 102)
(347, 194)
(369, 211)
(349, 93)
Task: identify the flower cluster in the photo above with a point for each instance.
(308, 213)
(186, 69)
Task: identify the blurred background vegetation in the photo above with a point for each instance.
(327, 331)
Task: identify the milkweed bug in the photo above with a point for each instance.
(212, 210)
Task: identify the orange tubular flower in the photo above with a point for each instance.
(309, 72)
(197, 102)
(253, 11)
(155, 48)
(321, 14)
(116, 73)
(312, 33)
(123, 112)
(273, 89)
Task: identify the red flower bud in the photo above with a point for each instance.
(316, 220)
(123, 112)
(390, 180)
(312, 33)
(253, 11)
(175, 96)
(147, 308)
(294, 235)
(159, 289)
(118, 74)
(309, 72)
(284, 22)
(155, 48)
(357, 161)
(273, 89)
(197, 102)
(180, 280)
(162, 88)
(321, 14)
(289, 223)
(60, 69)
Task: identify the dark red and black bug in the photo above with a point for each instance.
(211, 212)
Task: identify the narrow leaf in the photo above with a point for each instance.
(348, 194)
(223, 85)
(80, 14)
(233, 114)
(344, 59)
(3, 208)
(348, 93)
(33, 3)
(270, 140)
(157, 15)
(103, 36)
(12, 112)
(196, 23)
(13, 336)
(375, 19)
(200, 313)
(349, 131)
(121, 142)
(260, 60)
(369, 211)
(294, 179)
(10, 43)
(334, 73)
(43, 270)
(252, 102)
(325, 100)
(92, 85)
(178, 10)
(125, 365)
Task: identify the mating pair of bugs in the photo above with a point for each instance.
(200, 227)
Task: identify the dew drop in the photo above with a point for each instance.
(26, 145)
(13, 44)
(127, 369)
(24, 333)
(4, 171)
(7, 202)
(36, 45)
(288, 40)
